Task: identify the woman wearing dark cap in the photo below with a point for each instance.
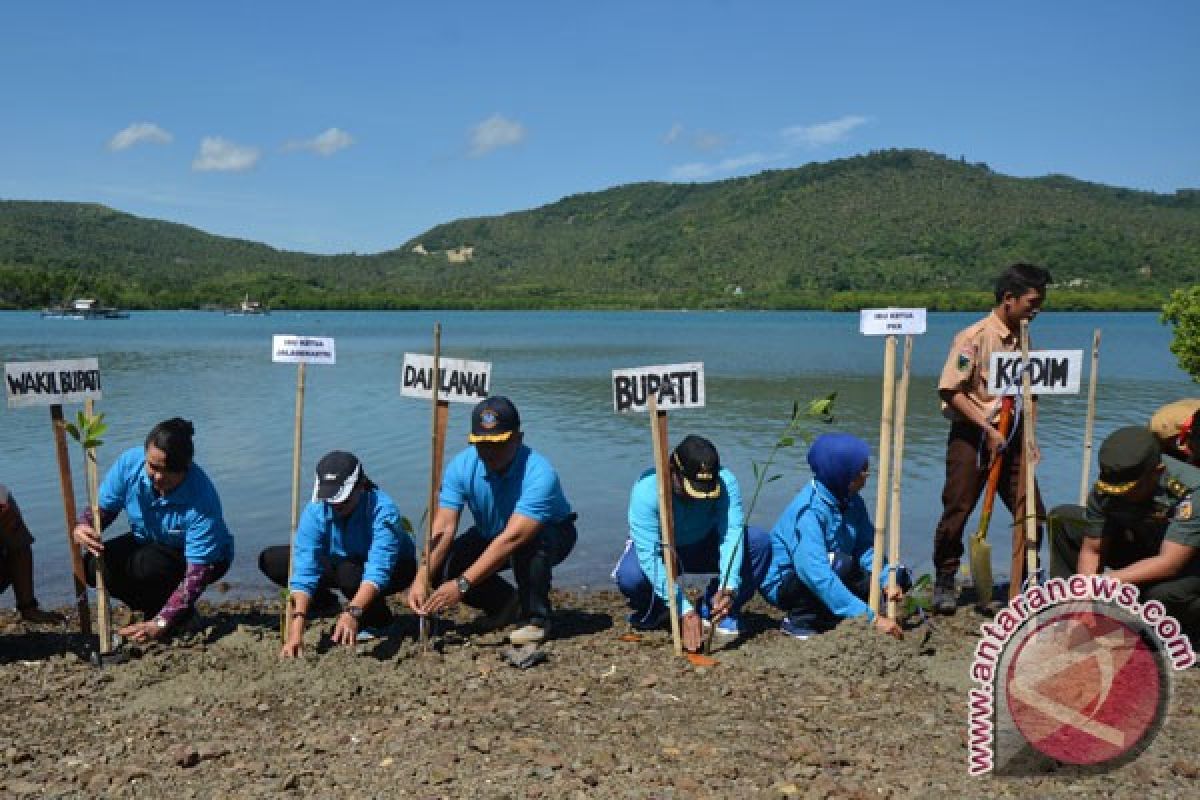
(178, 543)
(823, 544)
(350, 537)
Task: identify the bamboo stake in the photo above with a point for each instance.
(1031, 553)
(897, 465)
(885, 463)
(666, 515)
(67, 485)
(103, 610)
(440, 417)
(1091, 419)
(297, 444)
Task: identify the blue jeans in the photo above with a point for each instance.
(698, 557)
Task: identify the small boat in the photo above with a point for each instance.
(84, 308)
(248, 308)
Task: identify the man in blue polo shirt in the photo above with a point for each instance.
(521, 520)
(710, 537)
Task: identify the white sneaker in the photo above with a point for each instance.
(528, 634)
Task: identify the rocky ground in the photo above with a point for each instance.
(215, 714)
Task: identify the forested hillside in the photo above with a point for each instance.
(894, 226)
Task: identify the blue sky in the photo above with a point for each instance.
(355, 126)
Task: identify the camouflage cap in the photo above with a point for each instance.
(1125, 456)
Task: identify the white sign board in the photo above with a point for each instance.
(460, 381)
(51, 383)
(287, 348)
(1050, 372)
(673, 386)
(891, 321)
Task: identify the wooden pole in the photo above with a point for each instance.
(897, 467)
(1031, 553)
(67, 485)
(1091, 420)
(666, 514)
(885, 462)
(103, 620)
(441, 415)
(297, 445)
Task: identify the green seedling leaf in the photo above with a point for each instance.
(72, 430)
(786, 441)
(406, 524)
(774, 478)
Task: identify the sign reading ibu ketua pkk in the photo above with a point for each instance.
(672, 386)
(459, 381)
(1050, 372)
(287, 348)
(51, 383)
(891, 321)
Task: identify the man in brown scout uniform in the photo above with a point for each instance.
(974, 438)
(1177, 427)
(1140, 522)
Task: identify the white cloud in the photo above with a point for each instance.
(495, 132)
(325, 144)
(698, 170)
(822, 133)
(221, 155)
(137, 133)
(704, 141)
(672, 136)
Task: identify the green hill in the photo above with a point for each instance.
(895, 225)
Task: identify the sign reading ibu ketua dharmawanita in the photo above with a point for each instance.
(51, 383)
(460, 381)
(287, 348)
(891, 321)
(1050, 372)
(673, 386)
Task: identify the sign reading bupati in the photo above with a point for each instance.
(287, 348)
(891, 321)
(1050, 372)
(51, 383)
(459, 381)
(672, 386)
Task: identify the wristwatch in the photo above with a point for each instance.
(354, 611)
(160, 623)
(463, 585)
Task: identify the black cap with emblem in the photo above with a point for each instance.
(1125, 456)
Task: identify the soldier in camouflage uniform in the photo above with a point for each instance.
(1140, 523)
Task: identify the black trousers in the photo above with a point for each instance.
(142, 575)
(1180, 595)
(346, 577)
(532, 567)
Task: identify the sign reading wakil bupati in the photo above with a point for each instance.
(1050, 372)
(460, 381)
(51, 383)
(891, 321)
(672, 386)
(291, 349)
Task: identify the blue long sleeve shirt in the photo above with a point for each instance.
(694, 520)
(188, 518)
(809, 530)
(372, 533)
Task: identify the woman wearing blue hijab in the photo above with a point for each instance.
(823, 544)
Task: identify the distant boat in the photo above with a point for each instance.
(248, 308)
(84, 308)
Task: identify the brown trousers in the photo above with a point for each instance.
(966, 478)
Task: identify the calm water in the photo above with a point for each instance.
(217, 371)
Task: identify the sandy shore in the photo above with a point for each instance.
(216, 714)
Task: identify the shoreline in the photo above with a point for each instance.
(216, 714)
